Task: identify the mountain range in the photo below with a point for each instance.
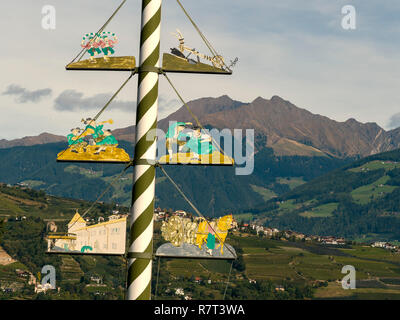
(296, 151)
(282, 126)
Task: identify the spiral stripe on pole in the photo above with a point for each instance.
(141, 217)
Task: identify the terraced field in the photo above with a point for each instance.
(377, 270)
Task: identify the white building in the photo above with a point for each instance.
(107, 237)
(43, 288)
(179, 292)
(378, 244)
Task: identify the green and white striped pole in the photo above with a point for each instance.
(143, 194)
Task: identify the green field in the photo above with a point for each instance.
(324, 210)
(375, 165)
(292, 182)
(368, 193)
(267, 194)
(17, 202)
(88, 173)
(243, 217)
(377, 270)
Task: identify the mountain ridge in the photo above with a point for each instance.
(286, 128)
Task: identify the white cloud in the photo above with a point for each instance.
(394, 121)
(23, 95)
(292, 48)
(72, 100)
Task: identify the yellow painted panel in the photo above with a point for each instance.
(215, 158)
(127, 63)
(172, 63)
(94, 154)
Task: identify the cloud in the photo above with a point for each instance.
(72, 100)
(167, 106)
(394, 121)
(23, 95)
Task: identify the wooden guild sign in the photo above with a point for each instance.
(196, 238)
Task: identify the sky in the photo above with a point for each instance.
(296, 49)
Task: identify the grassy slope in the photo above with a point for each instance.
(367, 182)
(303, 263)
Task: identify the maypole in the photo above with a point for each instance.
(102, 147)
(141, 218)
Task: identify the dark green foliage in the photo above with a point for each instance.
(336, 182)
(352, 219)
(267, 290)
(239, 263)
(214, 190)
(2, 230)
(24, 241)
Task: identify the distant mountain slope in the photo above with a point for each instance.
(287, 129)
(284, 127)
(31, 141)
(361, 199)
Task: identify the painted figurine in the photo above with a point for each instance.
(107, 44)
(92, 45)
(175, 135)
(108, 141)
(94, 129)
(199, 143)
(75, 141)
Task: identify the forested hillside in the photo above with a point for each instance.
(360, 200)
(214, 190)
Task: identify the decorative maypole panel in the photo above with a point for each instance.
(194, 146)
(141, 223)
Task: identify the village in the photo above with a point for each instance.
(239, 228)
(274, 233)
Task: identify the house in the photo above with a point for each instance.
(244, 226)
(378, 244)
(97, 279)
(114, 216)
(329, 240)
(180, 213)
(268, 232)
(43, 288)
(299, 236)
(159, 215)
(179, 292)
(384, 245)
(288, 234)
(105, 237)
(341, 241)
(259, 229)
(21, 273)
